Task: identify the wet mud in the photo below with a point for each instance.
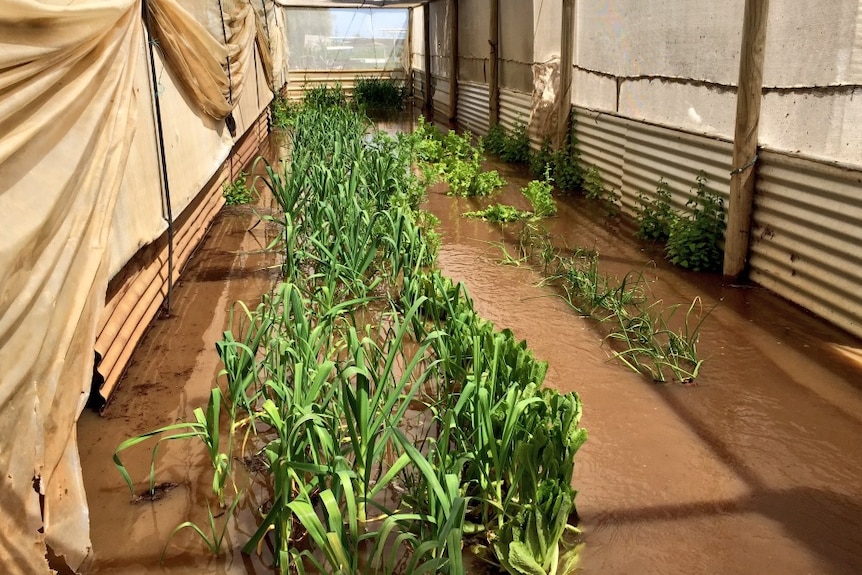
(756, 469)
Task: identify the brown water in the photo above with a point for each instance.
(757, 469)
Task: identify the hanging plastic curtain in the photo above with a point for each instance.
(67, 117)
(208, 44)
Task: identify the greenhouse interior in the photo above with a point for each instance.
(533, 287)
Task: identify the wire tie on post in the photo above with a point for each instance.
(741, 169)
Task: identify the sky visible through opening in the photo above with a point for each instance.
(370, 23)
(347, 39)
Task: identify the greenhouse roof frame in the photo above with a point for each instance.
(352, 3)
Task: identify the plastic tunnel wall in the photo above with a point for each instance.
(337, 46)
(85, 265)
(654, 94)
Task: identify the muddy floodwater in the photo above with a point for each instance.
(756, 469)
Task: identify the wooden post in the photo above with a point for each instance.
(745, 137)
(453, 64)
(426, 90)
(567, 45)
(408, 82)
(494, 68)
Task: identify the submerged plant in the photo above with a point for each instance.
(466, 178)
(499, 213)
(642, 332)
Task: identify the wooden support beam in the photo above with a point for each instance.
(494, 68)
(453, 62)
(409, 63)
(426, 89)
(748, 99)
(567, 46)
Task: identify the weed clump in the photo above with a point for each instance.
(379, 94)
(694, 239)
(655, 216)
(642, 331)
(512, 148)
(236, 192)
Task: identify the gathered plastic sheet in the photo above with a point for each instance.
(70, 85)
(66, 120)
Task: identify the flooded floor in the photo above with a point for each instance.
(757, 469)
(170, 375)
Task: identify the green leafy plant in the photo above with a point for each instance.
(655, 216)
(595, 189)
(538, 193)
(283, 112)
(512, 148)
(567, 173)
(495, 140)
(499, 213)
(694, 241)
(466, 178)
(237, 192)
(517, 145)
(594, 186)
(542, 160)
(324, 96)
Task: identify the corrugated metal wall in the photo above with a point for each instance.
(440, 95)
(806, 237)
(473, 107)
(418, 79)
(633, 155)
(514, 107)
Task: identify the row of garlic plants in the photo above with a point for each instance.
(390, 427)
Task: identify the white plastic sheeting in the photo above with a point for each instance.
(473, 49)
(67, 116)
(813, 79)
(79, 195)
(417, 39)
(341, 39)
(673, 63)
